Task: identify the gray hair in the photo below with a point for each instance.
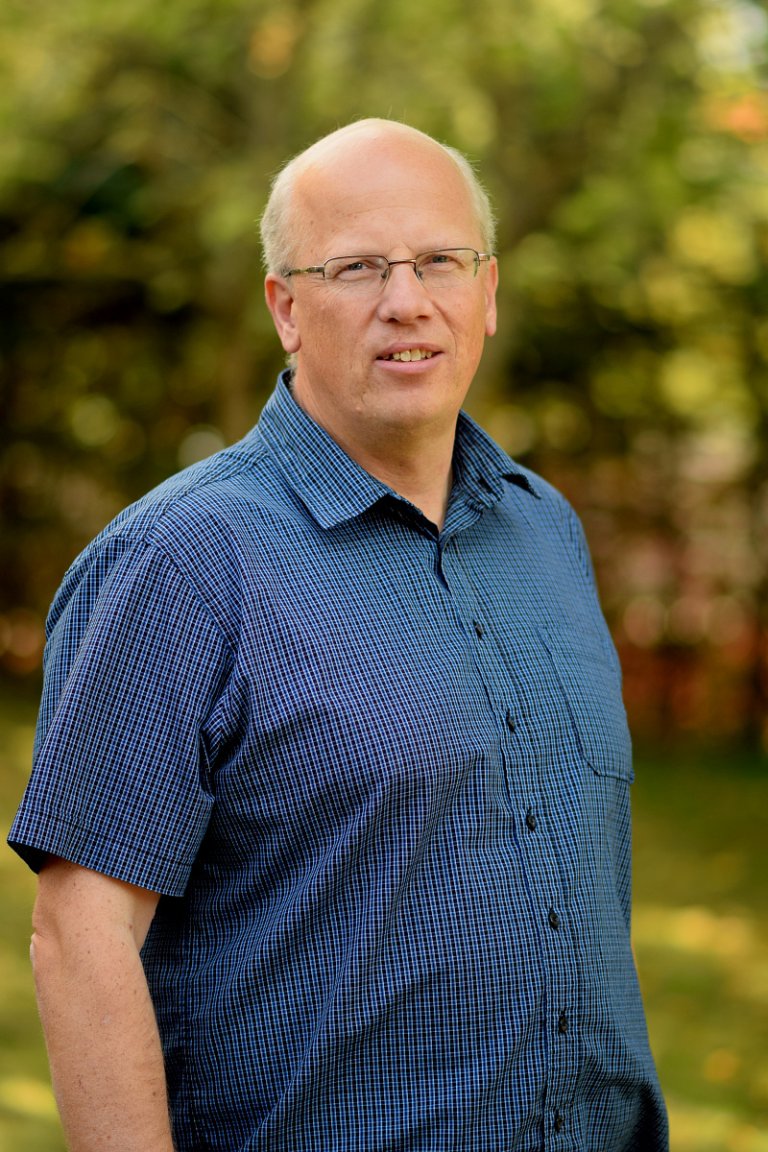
(279, 231)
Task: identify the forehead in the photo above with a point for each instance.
(380, 191)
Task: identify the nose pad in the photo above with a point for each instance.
(407, 280)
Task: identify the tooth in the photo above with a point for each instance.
(410, 354)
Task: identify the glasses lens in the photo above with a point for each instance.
(361, 270)
(448, 266)
(442, 269)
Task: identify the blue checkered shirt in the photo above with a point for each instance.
(380, 776)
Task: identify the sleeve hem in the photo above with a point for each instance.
(124, 861)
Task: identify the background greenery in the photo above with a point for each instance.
(625, 143)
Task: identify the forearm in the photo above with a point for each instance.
(97, 1015)
(104, 1051)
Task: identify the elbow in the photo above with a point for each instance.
(39, 961)
(40, 954)
(45, 946)
(38, 949)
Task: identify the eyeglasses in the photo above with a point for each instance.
(445, 268)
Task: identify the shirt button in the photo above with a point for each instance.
(530, 820)
(562, 1023)
(479, 630)
(554, 919)
(559, 1120)
(511, 722)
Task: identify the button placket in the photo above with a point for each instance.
(538, 837)
(561, 1065)
(515, 713)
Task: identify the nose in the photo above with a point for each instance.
(404, 297)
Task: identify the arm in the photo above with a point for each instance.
(97, 1015)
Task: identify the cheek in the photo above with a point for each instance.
(332, 322)
(482, 324)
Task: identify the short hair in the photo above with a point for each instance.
(278, 231)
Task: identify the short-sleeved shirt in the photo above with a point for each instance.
(380, 775)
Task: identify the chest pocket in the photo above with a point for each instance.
(589, 676)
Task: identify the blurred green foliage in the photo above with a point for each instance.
(625, 143)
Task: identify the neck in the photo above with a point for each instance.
(414, 460)
(424, 479)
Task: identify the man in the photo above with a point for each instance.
(332, 732)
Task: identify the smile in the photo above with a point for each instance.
(410, 354)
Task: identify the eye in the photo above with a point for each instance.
(441, 262)
(347, 268)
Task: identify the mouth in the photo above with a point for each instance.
(408, 355)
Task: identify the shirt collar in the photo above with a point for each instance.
(334, 488)
(482, 468)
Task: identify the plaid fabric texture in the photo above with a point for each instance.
(381, 778)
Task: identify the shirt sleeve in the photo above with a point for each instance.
(119, 781)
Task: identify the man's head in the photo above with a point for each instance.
(280, 230)
(380, 188)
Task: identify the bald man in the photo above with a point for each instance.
(330, 800)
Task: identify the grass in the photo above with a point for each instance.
(701, 939)
(700, 929)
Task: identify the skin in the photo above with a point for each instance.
(376, 189)
(97, 1016)
(385, 189)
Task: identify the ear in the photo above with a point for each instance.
(282, 309)
(491, 284)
